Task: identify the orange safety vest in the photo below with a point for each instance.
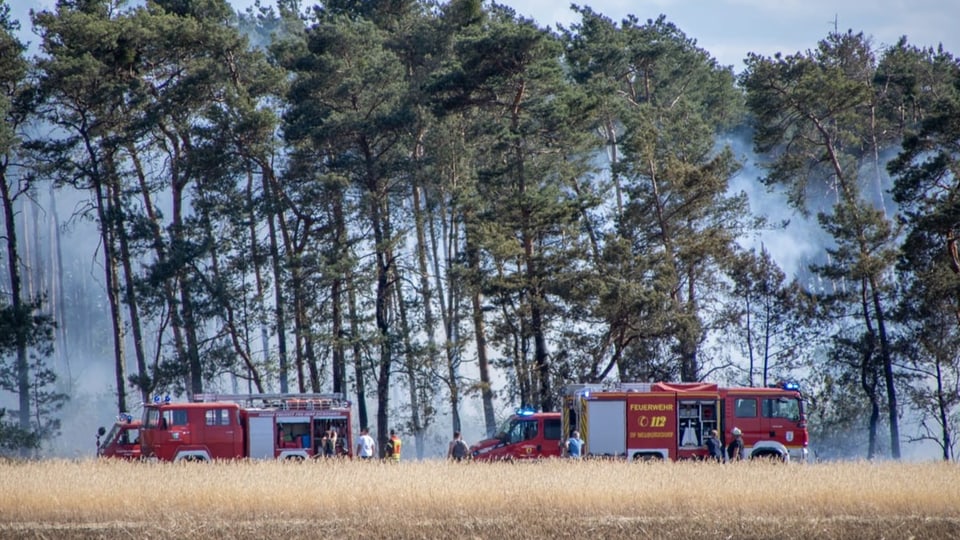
(395, 441)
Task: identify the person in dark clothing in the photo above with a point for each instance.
(735, 449)
(714, 447)
(458, 449)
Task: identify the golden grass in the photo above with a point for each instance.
(99, 499)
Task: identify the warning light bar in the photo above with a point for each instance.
(525, 411)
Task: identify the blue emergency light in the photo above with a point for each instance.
(525, 411)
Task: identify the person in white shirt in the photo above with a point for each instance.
(365, 444)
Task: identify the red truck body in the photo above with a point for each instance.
(671, 420)
(525, 435)
(122, 441)
(261, 426)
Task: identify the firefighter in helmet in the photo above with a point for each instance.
(735, 449)
(394, 445)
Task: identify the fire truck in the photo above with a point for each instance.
(123, 439)
(256, 426)
(524, 435)
(660, 421)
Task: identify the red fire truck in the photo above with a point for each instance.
(123, 439)
(257, 426)
(643, 421)
(525, 435)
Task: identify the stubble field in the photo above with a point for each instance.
(316, 499)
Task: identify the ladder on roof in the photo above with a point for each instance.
(308, 402)
(580, 389)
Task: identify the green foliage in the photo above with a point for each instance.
(926, 188)
(14, 439)
(678, 222)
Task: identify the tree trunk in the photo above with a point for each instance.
(113, 293)
(130, 294)
(868, 373)
(278, 282)
(16, 302)
(299, 325)
(362, 415)
(57, 299)
(412, 369)
(337, 298)
(479, 334)
(943, 415)
(338, 353)
(161, 252)
(886, 356)
(382, 310)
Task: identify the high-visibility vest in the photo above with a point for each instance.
(395, 441)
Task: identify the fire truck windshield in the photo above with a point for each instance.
(112, 434)
(782, 407)
(151, 418)
(504, 429)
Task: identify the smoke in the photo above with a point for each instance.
(792, 239)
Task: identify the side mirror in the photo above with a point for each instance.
(101, 431)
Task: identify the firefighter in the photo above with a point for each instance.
(394, 445)
(735, 450)
(714, 447)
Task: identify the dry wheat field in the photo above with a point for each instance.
(554, 498)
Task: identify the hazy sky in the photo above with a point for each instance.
(729, 29)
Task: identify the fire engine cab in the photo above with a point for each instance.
(257, 426)
(524, 435)
(123, 439)
(644, 421)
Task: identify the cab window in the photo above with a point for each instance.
(152, 418)
(218, 417)
(175, 417)
(551, 429)
(745, 408)
(783, 407)
(522, 431)
(130, 436)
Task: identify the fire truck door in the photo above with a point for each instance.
(261, 437)
(128, 442)
(524, 439)
(779, 416)
(606, 427)
(177, 424)
(222, 433)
